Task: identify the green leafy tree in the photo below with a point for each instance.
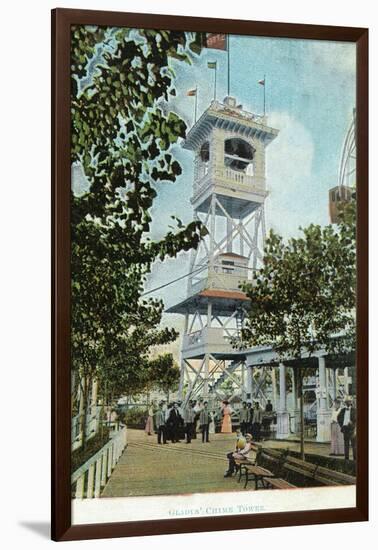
(227, 387)
(303, 299)
(122, 134)
(165, 373)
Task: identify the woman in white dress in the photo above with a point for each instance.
(212, 423)
(149, 427)
(337, 438)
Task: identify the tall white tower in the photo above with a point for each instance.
(229, 191)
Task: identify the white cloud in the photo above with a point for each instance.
(289, 174)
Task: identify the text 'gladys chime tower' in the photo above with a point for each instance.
(229, 192)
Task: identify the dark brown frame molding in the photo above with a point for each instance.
(62, 19)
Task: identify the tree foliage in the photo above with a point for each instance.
(303, 299)
(165, 373)
(304, 296)
(121, 139)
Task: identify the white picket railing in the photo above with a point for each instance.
(88, 480)
(91, 427)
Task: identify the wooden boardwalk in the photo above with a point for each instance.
(146, 468)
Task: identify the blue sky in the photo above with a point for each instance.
(310, 96)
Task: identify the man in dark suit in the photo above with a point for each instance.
(347, 422)
(204, 423)
(175, 421)
(267, 418)
(269, 406)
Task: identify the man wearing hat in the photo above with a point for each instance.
(243, 418)
(256, 421)
(240, 454)
(204, 423)
(347, 422)
(174, 422)
(159, 420)
(197, 410)
(189, 415)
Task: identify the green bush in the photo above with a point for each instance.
(135, 416)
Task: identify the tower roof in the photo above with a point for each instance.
(224, 302)
(219, 115)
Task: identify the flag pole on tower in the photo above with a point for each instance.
(193, 93)
(228, 64)
(195, 106)
(219, 41)
(263, 83)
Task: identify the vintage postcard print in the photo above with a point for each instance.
(213, 268)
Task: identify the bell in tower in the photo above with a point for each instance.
(229, 192)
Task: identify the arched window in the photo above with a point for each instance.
(238, 154)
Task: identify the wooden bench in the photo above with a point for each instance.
(278, 483)
(256, 474)
(275, 468)
(255, 448)
(259, 474)
(320, 474)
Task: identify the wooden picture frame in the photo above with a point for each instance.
(62, 528)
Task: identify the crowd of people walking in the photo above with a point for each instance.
(252, 419)
(176, 421)
(173, 422)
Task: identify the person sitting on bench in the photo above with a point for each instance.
(241, 454)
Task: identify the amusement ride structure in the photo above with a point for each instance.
(347, 173)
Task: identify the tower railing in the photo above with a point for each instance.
(217, 173)
(220, 277)
(235, 111)
(219, 339)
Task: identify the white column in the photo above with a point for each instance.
(209, 308)
(205, 392)
(296, 411)
(283, 428)
(334, 384)
(81, 410)
(249, 381)
(346, 381)
(241, 238)
(182, 380)
(94, 417)
(274, 389)
(182, 365)
(244, 390)
(229, 235)
(212, 231)
(323, 413)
